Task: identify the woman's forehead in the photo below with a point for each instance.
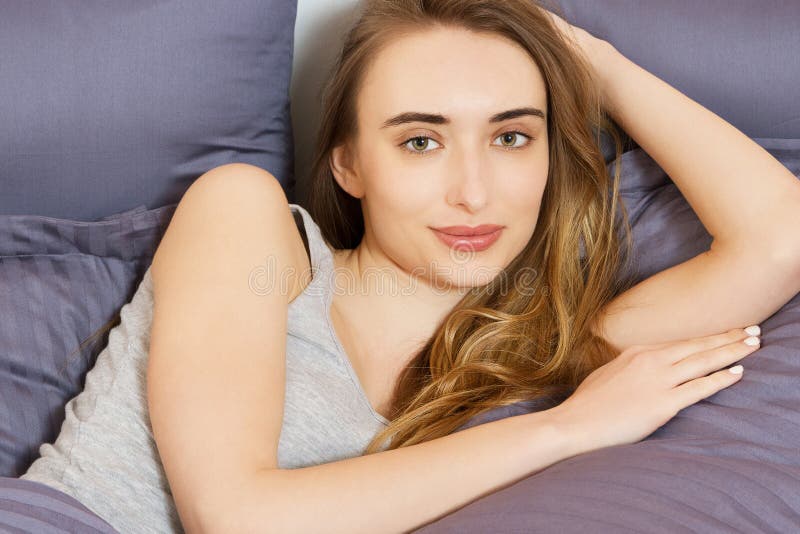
(452, 68)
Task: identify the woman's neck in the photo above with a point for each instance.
(389, 307)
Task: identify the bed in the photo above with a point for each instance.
(108, 112)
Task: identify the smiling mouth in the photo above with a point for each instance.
(483, 229)
(474, 242)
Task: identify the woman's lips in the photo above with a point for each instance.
(474, 243)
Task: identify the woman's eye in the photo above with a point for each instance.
(508, 139)
(418, 144)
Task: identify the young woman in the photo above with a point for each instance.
(458, 158)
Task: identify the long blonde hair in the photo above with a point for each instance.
(502, 343)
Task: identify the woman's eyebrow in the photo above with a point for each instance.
(416, 116)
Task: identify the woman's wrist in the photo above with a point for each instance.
(567, 431)
(598, 50)
(599, 53)
(602, 55)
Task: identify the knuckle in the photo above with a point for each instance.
(645, 358)
(723, 338)
(727, 351)
(707, 360)
(630, 352)
(724, 377)
(741, 349)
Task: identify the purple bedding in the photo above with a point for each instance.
(729, 463)
(27, 506)
(105, 106)
(60, 280)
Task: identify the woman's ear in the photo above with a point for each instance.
(341, 164)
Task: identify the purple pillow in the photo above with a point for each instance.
(28, 506)
(728, 463)
(105, 106)
(60, 281)
(738, 58)
(108, 113)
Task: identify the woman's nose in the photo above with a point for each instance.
(469, 183)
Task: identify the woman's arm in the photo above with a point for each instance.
(215, 390)
(402, 489)
(744, 197)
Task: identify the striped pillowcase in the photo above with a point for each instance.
(28, 506)
(60, 281)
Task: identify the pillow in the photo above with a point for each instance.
(727, 463)
(738, 59)
(60, 281)
(27, 506)
(105, 106)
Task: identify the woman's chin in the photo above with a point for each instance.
(463, 277)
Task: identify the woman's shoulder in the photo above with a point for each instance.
(240, 201)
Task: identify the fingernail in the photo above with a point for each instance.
(753, 330)
(752, 341)
(736, 369)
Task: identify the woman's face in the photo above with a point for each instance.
(472, 161)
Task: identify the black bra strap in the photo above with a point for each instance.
(298, 219)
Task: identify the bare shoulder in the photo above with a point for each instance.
(218, 338)
(248, 203)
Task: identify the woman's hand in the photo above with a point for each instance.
(633, 395)
(582, 41)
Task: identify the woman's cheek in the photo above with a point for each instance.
(407, 189)
(525, 191)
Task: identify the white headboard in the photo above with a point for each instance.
(318, 34)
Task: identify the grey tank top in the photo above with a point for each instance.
(105, 455)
